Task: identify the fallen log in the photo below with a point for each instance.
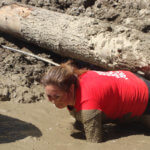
(87, 39)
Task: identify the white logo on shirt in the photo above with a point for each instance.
(116, 74)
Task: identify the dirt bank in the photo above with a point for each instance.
(20, 75)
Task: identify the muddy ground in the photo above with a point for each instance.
(27, 120)
(40, 126)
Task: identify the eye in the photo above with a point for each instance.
(56, 97)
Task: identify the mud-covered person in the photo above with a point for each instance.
(96, 97)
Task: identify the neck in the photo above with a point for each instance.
(72, 97)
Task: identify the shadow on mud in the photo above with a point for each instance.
(114, 131)
(12, 129)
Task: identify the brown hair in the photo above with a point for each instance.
(63, 76)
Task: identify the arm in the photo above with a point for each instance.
(92, 122)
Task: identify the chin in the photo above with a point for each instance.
(60, 106)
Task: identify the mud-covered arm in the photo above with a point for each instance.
(92, 122)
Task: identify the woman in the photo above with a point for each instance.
(96, 97)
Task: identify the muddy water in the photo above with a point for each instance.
(40, 126)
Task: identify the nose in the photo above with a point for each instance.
(52, 99)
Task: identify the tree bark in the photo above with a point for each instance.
(87, 39)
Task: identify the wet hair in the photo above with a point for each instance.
(63, 76)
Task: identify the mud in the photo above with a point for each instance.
(40, 125)
(20, 75)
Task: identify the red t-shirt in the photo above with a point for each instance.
(115, 93)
